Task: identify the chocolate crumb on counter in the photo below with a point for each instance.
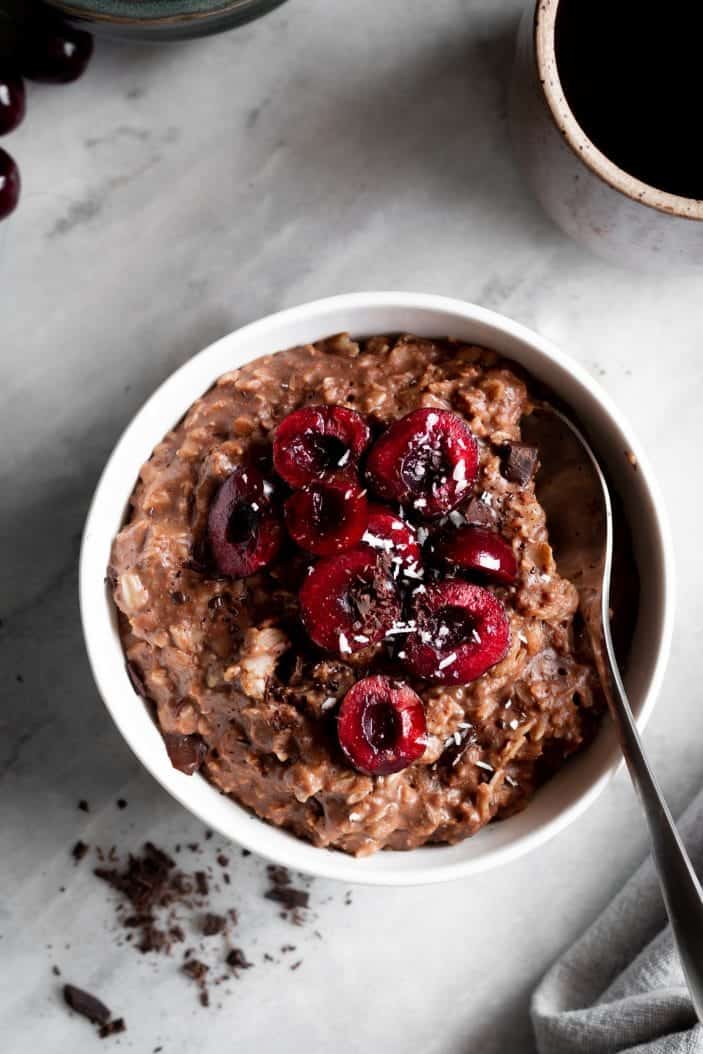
(121, 803)
(237, 960)
(83, 805)
(284, 893)
(213, 924)
(87, 1005)
(79, 850)
(113, 1028)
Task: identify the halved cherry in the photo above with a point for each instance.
(381, 726)
(462, 630)
(479, 550)
(396, 539)
(348, 602)
(244, 530)
(427, 461)
(316, 442)
(327, 517)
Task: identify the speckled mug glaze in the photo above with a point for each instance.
(162, 19)
(598, 204)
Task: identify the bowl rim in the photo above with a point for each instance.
(99, 626)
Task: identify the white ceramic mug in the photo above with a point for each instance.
(593, 200)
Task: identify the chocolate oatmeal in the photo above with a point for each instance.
(336, 588)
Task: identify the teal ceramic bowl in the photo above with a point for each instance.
(161, 19)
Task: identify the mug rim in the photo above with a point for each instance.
(619, 179)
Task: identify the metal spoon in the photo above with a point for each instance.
(570, 482)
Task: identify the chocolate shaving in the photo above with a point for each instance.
(518, 462)
(86, 1005)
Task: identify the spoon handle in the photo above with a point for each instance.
(683, 896)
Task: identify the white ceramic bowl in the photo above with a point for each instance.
(580, 782)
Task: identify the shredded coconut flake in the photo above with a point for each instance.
(447, 660)
(344, 644)
(328, 703)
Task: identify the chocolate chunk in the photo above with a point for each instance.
(238, 960)
(289, 897)
(113, 1028)
(178, 597)
(213, 924)
(518, 462)
(296, 965)
(202, 883)
(136, 679)
(186, 753)
(479, 514)
(79, 850)
(222, 860)
(86, 1005)
(55, 971)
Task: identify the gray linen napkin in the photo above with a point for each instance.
(620, 986)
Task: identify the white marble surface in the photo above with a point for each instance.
(169, 197)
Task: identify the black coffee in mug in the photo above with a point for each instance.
(632, 73)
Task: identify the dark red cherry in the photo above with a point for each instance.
(462, 630)
(9, 184)
(396, 539)
(480, 551)
(381, 726)
(244, 529)
(427, 461)
(348, 602)
(327, 517)
(12, 102)
(316, 442)
(55, 53)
